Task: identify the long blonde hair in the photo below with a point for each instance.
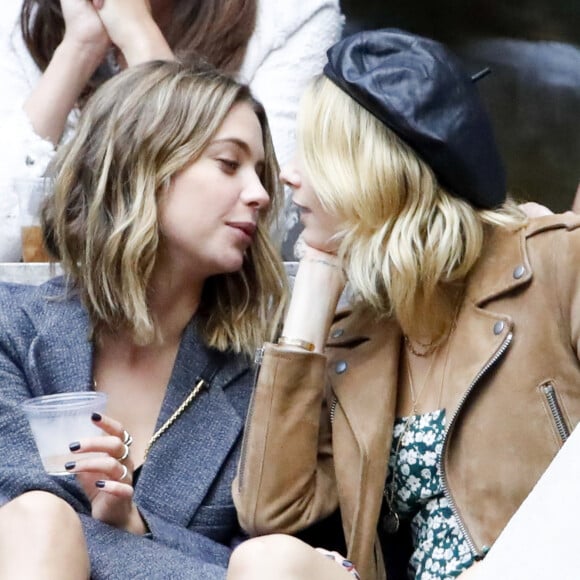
(137, 131)
(407, 244)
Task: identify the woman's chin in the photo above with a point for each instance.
(319, 242)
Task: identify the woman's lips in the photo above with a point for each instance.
(247, 228)
(303, 209)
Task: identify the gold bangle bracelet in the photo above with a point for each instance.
(298, 342)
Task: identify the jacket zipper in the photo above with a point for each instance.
(556, 410)
(258, 357)
(498, 354)
(333, 408)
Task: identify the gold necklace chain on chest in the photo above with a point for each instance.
(390, 520)
(176, 414)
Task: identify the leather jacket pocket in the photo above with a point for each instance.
(554, 405)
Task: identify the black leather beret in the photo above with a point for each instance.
(420, 90)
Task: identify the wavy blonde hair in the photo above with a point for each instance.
(407, 244)
(137, 131)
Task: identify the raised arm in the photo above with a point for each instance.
(285, 480)
(75, 60)
(133, 30)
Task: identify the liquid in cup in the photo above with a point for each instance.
(31, 194)
(58, 420)
(33, 249)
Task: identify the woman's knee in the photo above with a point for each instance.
(43, 511)
(273, 556)
(41, 536)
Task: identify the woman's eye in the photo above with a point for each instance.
(229, 164)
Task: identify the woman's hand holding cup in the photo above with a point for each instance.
(107, 479)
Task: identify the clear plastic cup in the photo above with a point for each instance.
(58, 420)
(32, 192)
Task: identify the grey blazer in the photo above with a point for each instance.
(183, 491)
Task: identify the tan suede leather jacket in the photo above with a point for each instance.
(514, 377)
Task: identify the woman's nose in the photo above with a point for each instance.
(257, 196)
(289, 175)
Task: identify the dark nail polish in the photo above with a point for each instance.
(100, 483)
(74, 446)
(96, 417)
(70, 465)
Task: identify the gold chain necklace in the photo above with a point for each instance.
(391, 520)
(415, 397)
(176, 414)
(430, 347)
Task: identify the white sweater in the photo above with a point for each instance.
(286, 50)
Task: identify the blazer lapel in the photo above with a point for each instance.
(185, 460)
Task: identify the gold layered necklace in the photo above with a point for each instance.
(390, 519)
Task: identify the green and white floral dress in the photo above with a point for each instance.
(440, 549)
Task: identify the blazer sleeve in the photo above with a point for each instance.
(285, 480)
(21, 469)
(169, 552)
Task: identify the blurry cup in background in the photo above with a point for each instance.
(31, 193)
(58, 420)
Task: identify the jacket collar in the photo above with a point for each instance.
(504, 264)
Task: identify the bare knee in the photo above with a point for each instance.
(41, 510)
(274, 556)
(41, 536)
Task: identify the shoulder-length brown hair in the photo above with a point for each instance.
(218, 31)
(138, 130)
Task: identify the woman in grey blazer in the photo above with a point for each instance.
(160, 217)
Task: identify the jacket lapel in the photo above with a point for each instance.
(481, 332)
(185, 460)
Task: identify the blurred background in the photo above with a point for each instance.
(533, 95)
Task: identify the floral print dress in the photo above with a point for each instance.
(440, 549)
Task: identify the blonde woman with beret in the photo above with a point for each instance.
(427, 409)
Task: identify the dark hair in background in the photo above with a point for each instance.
(218, 31)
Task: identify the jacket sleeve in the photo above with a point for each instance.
(21, 469)
(285, 480)
(169, 552)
